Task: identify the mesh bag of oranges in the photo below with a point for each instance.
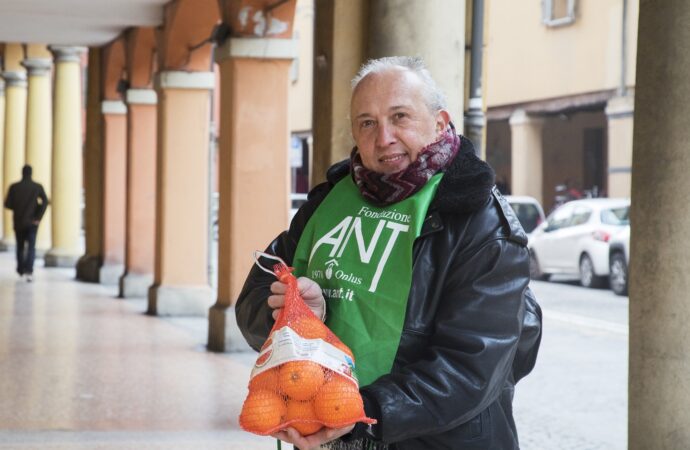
(303, 377)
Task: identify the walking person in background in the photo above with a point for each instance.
(28, 202)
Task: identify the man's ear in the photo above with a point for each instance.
(442, 121)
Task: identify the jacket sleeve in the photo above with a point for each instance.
(253, 314)
(41, 208)
(468, 355)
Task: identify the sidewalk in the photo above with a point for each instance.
(82, 369)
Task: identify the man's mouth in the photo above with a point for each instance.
(392, 158)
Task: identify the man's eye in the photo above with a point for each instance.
(366, 124)
(399, 116)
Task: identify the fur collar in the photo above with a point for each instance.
(465, 187)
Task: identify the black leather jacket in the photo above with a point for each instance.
(472, 327)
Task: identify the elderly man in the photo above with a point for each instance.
(429, 275)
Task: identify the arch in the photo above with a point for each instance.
(185, 40)
(141, 56)
(259, 18)
(37, 51)
(13, 56)
(114, 68)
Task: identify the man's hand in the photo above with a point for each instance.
(313, 441)
(308, 289)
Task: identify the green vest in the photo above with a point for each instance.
(361, 256)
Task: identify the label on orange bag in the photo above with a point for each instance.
(286, 345)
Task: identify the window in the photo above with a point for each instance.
(556, 13)
(560, 218)
(528, 215)
(616, 216)
(581, 216)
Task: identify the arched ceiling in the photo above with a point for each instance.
(75, 22)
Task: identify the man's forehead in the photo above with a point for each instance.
(396, 82)
(391, 76)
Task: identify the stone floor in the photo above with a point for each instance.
(81, 369)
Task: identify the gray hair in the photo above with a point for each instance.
(436, 100)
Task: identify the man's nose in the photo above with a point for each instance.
(384, 135)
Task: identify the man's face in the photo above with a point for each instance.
(391, 122)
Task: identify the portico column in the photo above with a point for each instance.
(15, 133)
(38, 136)
(432, 29)
(181, 285)
(340, 31)
(526, 155)
(89, 264)
(659, 371)
(2, 145)
(67, 159)
(619, 112)
(140, 227)
(250, 214)
(114, 181)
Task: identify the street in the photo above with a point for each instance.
(576, 397)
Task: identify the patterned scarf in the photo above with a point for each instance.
(385, 189)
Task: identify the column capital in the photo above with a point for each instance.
(141, 97)
(116, 107)
(67, 53)
(257, 48)
(14, 78)
(521, 117)
(176, 79)
(37, 66)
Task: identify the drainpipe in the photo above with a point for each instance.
(622, 88)
(474, 117)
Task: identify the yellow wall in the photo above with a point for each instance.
(528, 61)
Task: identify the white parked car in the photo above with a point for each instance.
(574, 240)
(528, 211)
(619, 256)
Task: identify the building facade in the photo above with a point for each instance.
(560, 82)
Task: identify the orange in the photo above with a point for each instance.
(262, 411)
(309, 327)
(303, 412)
(338, 403)
(265, 380)
(300, 380)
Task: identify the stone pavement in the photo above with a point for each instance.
(82, 369)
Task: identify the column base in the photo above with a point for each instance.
(180, 300)
(60, 258)
(110, 273)
(7, 245)
(88, 268)
(223, 333)
(135, 284)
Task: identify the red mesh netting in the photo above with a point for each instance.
(303, 375)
